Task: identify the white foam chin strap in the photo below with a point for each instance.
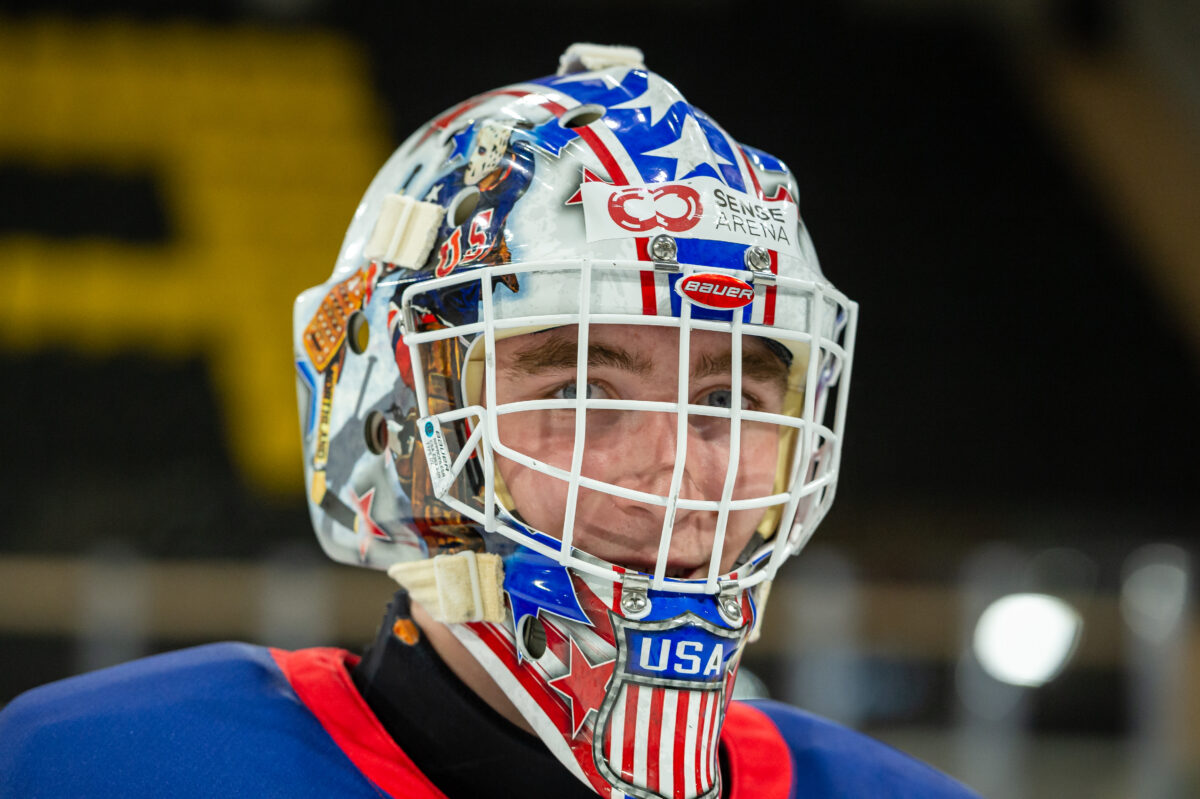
(454, 589)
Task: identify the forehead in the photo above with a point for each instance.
(646, 343)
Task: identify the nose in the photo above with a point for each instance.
(647, 456)
(657, 430)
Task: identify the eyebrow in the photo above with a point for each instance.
(761, 365)
(557, 353)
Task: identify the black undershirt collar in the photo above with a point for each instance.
(464, 746)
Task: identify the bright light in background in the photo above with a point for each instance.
(1154, 591)
(1027, 639)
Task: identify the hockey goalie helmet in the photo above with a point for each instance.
(577, 381)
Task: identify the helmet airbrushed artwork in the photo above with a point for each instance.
(597, 196)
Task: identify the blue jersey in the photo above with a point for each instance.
(241, 720)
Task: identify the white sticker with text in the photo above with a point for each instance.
(699, 208)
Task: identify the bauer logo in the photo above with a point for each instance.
(711, 290)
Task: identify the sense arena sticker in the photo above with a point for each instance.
(701, 208)
(712, 290)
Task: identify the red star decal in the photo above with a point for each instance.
(584, 685)
(362, 516)
(588, 177)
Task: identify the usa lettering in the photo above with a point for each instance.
(679, 657)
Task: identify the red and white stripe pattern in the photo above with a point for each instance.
(662, 742)
(643, 740)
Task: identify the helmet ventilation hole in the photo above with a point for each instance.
(581, 116)
(533, 636)
(375, 431)
(358, 332)
(462, 207)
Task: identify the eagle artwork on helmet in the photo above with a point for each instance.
(530, 230)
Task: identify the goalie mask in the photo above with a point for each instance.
(578, 383)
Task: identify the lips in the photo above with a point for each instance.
(635, 545)
(676, 571)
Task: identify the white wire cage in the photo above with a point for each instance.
(584, 294)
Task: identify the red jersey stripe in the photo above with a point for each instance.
(321, 680)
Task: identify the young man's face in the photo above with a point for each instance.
(637, 449)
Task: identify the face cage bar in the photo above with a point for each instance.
(823, 481)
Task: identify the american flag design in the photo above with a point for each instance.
(648, 154)
(661, 718)
(633, 707)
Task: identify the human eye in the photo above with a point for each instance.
(723, 398)
(570, 391)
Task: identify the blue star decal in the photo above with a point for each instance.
(461, 144)
(702, 170)
(719, 141)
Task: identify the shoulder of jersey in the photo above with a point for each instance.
(831, 760)
(210, 721)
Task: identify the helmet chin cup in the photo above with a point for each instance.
(614, 676)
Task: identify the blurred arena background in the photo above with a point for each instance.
(1011, 190)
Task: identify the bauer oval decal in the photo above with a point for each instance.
(711, 290)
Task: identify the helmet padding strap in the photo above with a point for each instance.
(454, 589)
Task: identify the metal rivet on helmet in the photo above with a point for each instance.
(758, 259)
(663, 248)
(731, 610)
(634, 603)
(729, 603)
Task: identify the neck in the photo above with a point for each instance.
(455, 655)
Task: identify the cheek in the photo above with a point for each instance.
(546, 436)
(760, 457)
(757, 463)
(540, 499)
(756, 478)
